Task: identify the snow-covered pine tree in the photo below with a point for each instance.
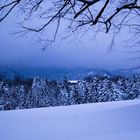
(39, 92)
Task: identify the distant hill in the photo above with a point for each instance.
(60, 73)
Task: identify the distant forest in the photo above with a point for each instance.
(22, 93)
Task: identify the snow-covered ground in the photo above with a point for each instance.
(101, 121)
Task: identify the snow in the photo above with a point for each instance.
(99, 121)
(73, 81)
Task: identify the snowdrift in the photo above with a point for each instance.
(101, 121)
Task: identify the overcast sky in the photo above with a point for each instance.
(24, 52)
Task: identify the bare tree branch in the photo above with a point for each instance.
(109, 15)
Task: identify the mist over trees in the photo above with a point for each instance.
(39, 92)
(78, 15)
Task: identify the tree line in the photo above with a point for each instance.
(40, 92)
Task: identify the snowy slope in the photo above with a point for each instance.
(101, 121)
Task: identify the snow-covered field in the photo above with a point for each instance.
(101, 121)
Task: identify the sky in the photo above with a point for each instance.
(24, 51)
